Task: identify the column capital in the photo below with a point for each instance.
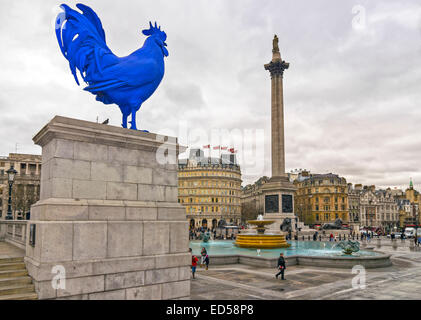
(277, 68)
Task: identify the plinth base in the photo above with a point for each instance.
(107, 224)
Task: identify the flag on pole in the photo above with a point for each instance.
(206, 147)
(217, 148)
(232, 150)
(224, 148)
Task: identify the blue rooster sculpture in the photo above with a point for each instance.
(126, 81)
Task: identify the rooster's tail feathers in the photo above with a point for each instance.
(82, 40)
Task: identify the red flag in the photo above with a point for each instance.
(232, 150)
(224, 148)
(216, 148)
(206, 147)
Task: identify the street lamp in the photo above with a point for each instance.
(11, 173)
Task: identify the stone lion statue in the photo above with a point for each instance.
(337, 224)
(286, 225)
(222, 223)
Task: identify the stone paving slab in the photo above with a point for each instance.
(8, 250)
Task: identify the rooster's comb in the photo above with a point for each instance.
(152, 29)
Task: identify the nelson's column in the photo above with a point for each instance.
(279, 191)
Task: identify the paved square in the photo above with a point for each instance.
(238, 282)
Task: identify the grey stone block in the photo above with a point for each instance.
(161, 275)
(117, 265)
(90, 151)
(103, 171)
(89, 189)
(135, 174)
(124, 239)
(70, 169)
(179, 289)
(107, 212)
(141, 213)
(75, 297)
(176, 212)
(184, 273)
(171, 194)
(108, 295)
(59, 188)
(83, 285)
(121, 191)
(89, 240)
(149, 192)
(152, 292)
(124, 280)
(174, 260)
(156, 238)
(147, 159)
(56, 241)
(45, 290)
(179, 237)
(50, 212)
(123, 156)
(164, 177)
(64, 149)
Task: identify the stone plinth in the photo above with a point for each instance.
(108, 214)
(276, 188)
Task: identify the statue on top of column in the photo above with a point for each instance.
(275, 44)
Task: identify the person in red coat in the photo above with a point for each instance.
(194, 261)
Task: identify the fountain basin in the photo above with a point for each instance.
(309, 253)
(266, 241)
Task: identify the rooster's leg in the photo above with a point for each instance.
(125, 115)
(133, 121)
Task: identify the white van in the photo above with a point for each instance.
(409, 232)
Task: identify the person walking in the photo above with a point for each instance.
(194, 261)
(281, 266)
(203, 253)
(207, 262)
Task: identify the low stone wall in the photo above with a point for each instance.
(379, 261)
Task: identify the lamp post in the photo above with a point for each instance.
(11, 173)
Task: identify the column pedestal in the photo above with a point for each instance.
(108, 215)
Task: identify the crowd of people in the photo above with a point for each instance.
(197, 234)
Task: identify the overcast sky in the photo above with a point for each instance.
(352, 92)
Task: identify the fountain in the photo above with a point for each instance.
(349, 246)
(260, 239)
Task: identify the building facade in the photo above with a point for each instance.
(413, 216)
(26, 186)
(354, 210)
(321, 198)
(209, 189)
(252, 200)
(377, 208)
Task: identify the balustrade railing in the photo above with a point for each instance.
(14, 232)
